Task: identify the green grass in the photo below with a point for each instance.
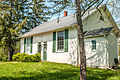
(51, 71)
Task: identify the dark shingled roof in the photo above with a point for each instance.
(97, 32)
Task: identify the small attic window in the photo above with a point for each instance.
(93, 44)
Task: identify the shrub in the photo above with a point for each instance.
(33, 58)
(16, 57)
(19, 56)
(38, 57)
(1, 58)
(26, 58)
(5, 59)
(22, 57)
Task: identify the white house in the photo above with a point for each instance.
(57, 40)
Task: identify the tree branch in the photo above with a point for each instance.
(89, 7)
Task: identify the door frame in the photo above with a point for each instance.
(45, 53)
(42, 48)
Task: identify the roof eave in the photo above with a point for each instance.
(49, 31)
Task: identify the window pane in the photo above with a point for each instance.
(39, 47)
(28, 44)
(28, 41)
(93, 44)
(60, 41)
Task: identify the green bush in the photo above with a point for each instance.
(16, 57)
(38, 57)
(23, 57)
(5, 58)
(19, 56)
(26, 58)
(1, 58)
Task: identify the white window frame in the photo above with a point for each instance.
(57, 41)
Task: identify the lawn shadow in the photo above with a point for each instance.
(62, 72)
(101, 74)
(47, 75)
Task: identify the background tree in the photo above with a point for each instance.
(9, 33)
(15, 17)
(10, 26)
(114, 7)
(37, 13)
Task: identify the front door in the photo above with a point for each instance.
(44, 51)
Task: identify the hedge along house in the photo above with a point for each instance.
(57, 40)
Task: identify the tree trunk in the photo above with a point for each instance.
(10, 49)
(83, 75)
(9, 53)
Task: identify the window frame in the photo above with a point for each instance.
(38, 47)
(57, 41)
(28, 51)
(93, 46)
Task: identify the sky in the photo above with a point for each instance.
(61, 14)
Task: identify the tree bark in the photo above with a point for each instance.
(10, 49)
(83, 75)
(8, 55)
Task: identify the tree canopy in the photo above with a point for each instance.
(18, 16)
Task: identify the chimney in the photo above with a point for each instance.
(65, 13)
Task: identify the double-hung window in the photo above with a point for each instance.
(28, 44)
(60, 41)
(93, 44)
(39, 47)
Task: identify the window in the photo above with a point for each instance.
(39, 47)
(93, 44)
(28, 45)
(60, 41)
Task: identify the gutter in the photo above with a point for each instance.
(93, 36)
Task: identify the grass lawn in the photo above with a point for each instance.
(51, 71)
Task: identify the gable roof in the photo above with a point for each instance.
(97, 32)
(64, 22)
